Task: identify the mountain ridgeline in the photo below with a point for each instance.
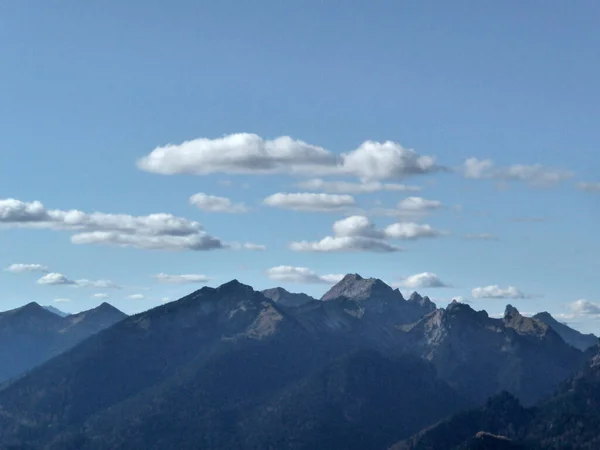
(33, 334)
(234, 368)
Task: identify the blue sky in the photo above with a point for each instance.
(92, 95)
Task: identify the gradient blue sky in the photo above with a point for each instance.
(86, 90)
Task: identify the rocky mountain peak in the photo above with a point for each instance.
(511, 312)
(525, 326)
(415, 297)
(355, 287)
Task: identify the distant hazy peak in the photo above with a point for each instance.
(56, 311)
(31, 309)
(355, 287)
(570, 336)
(286, 298)
(275, 292)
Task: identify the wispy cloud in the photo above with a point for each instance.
(535, 175)
(214, 204)
(181, 279)
(292, 274)
(497, 292)
(23, 268)
(305, 201)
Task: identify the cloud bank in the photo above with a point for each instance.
(245, 153)
(155, 231)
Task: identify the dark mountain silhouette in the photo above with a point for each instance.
(32, 334)
(284, 298)
(572, 337)
(229, 367)
(502, 415)
(211, 370)
(569, 419)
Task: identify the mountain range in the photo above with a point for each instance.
(32, 334)
(231, 367)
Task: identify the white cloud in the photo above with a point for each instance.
(181, 279)
(212, 203)
(290, 274)
(589, 187)
(245, 153)
(480, 237)
(535, 175)
(100, 295)
(411, 208)
(411, 231)
(98, 284)
(192, 242)
(386, 161)
(585, 308)
(358, 233)
(305, 201)
(136, 297)
(254, 247)
(155, 231)
(344, 244)
(495, 291)
(423, 280)
(418, 204)
(345, 187)
(165, 300)
(357, 226)
(477, 168)
(55, 279)
(62, 300)
(240, 153)
(22, 268)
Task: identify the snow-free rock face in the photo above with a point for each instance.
(483, 356)
(354, 287)
(371, 296)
